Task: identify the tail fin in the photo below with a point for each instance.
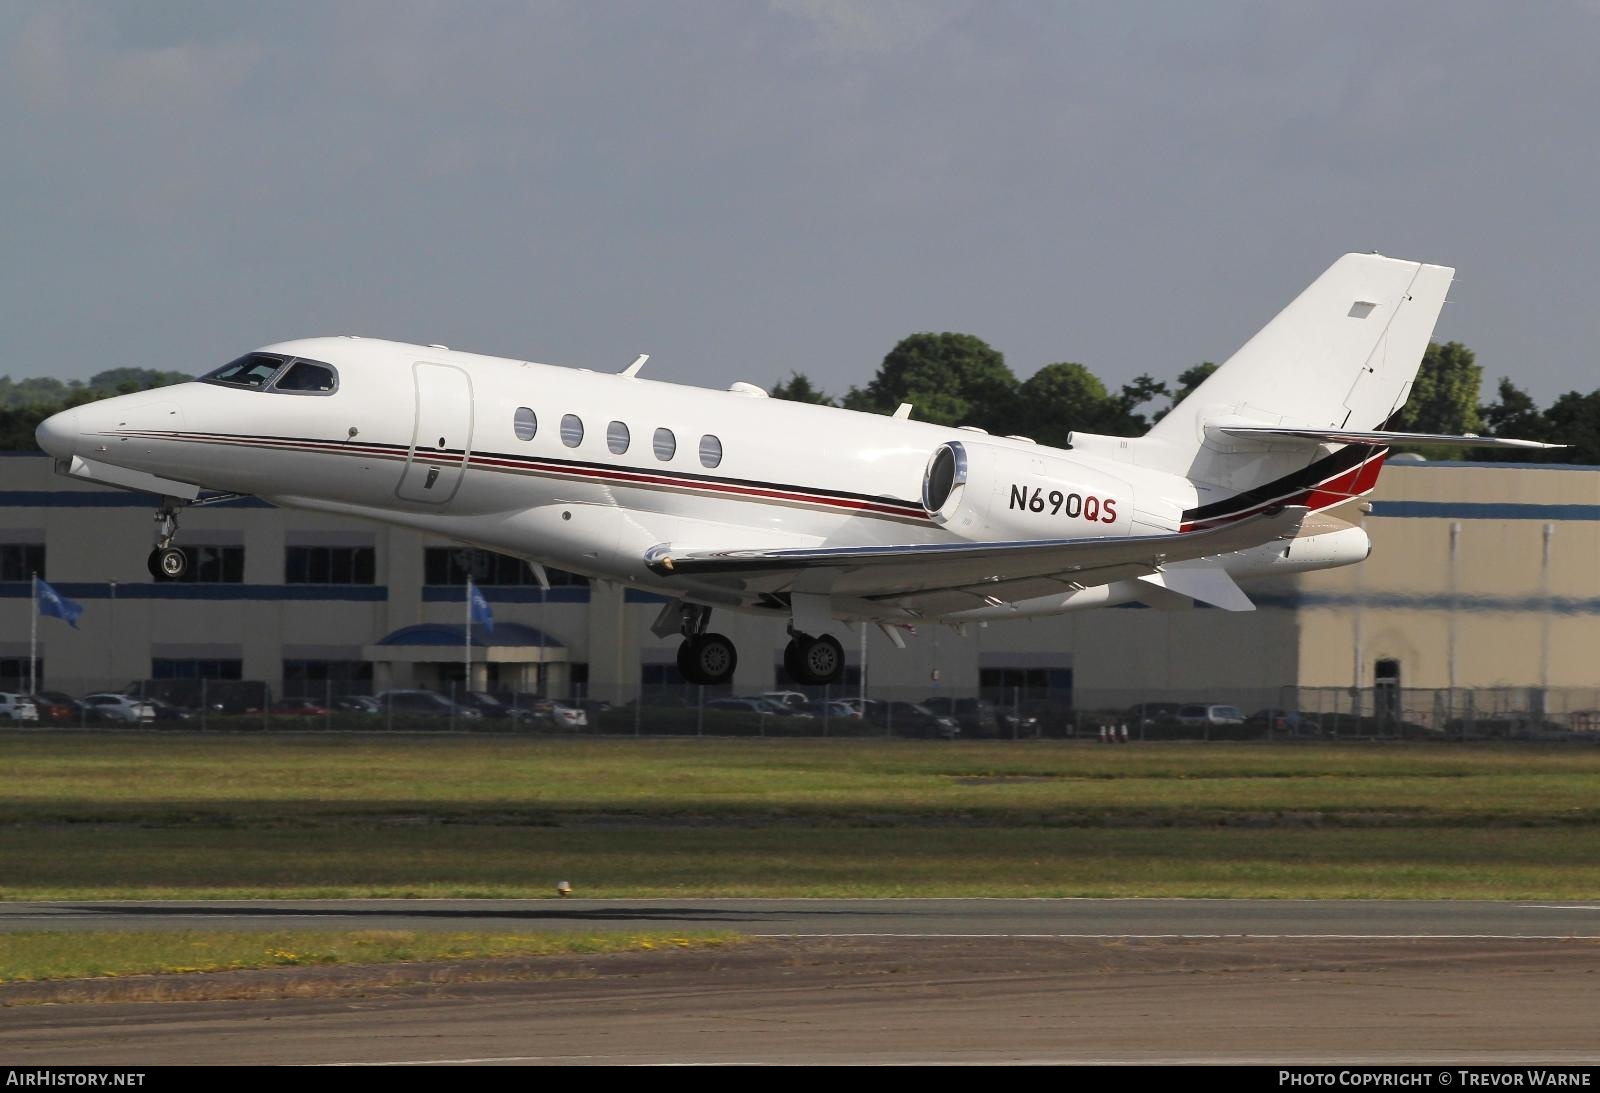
(1342, 356)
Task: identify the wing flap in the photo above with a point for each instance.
(993, 571)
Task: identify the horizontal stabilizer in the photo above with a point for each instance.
(1203, 583)
(1376, 437)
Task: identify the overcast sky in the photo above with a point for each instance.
(747, 188)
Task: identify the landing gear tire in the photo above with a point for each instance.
(814, 662)
(167, 563)
(707, 659)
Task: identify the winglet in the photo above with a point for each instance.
(633, 369)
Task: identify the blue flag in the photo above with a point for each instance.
(480, 611)
(57, 606)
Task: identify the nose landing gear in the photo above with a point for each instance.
(167, 562)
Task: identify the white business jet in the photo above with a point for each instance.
(729, 499)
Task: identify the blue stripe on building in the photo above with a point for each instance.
(150, 590)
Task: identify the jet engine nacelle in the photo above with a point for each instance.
(986, 491)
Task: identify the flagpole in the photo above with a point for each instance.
(33, 640)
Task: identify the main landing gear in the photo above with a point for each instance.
(167, 562)
(814, 662)
(707, 659)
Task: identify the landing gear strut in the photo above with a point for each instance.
(814, 662)
(706, 659)
(167, 562)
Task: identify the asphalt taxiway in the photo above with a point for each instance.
(857, 981)
(1084, 918)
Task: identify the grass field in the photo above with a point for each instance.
(31, 957)
(101, 815)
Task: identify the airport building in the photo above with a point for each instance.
(1482, 576)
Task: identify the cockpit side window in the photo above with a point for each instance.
(253, 370)
(308, 378)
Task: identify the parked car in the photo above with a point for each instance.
(360, 704)
(782, 709)
(1285, 722)
(17, 707)
(119, 709)
(912, 719)
(59, 707)
(759, 706)
(980, 717)
(559, 715)
(1194, 716)
(794, 700)
(166, 711)
(299, 707)
(423, 704)
(1148, 714)
(832, 710)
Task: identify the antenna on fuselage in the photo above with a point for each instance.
(633, 369)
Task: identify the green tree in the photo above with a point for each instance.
(799, 388)
(1575, 421)
(1188, 380)
(950, 379)
(1060, 398)
(1444, 398)
(123, 381)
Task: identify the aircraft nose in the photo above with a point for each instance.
(58, 433)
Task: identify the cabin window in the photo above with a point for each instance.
(617, 437)
(524, 423)
(307, 378)
(710, 451)
(571, 430)
(666, 445)
(251, 370)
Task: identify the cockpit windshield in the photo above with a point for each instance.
(250, 370)
(277, 374)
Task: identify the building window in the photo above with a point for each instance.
(315, 678)
(617, 437)
(451, 566)
(195, 668)
(524, 423)
(330, 565)
(666, 445)
(571, 430)
(1005, 684)
(214, 565)
(14, 673)
(710, 451)
(20, 561)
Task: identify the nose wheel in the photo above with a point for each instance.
(814, 662)
(167, 563)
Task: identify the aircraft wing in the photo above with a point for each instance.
(991, 572)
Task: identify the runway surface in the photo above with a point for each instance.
(1088, 918)
(858, 981)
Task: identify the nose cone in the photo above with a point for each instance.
(58, 434)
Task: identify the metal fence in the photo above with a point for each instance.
(1017, 713)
